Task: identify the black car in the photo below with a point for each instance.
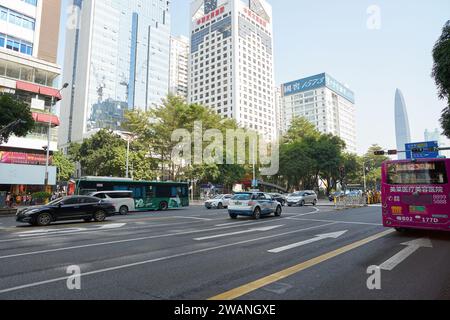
(67, 208)
(279, 197)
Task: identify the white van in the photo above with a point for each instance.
(123, 201)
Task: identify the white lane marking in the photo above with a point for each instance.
(35, 284)
(308, 213)
(122, 241)
(411, 247)
(319, 237)
(195, 218)
(40, 232)
(95, 231)
(338, 221)
(243, 223)
(238, 232)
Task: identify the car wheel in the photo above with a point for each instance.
(289, 205)
(278, 211)
(314, 202)
(163, 206)
(233, 216)
(100, 216)
(220, 205)
(44, 219)
(302, 203)
(257, 213)
(123, 210)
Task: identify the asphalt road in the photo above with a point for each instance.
(307, 253)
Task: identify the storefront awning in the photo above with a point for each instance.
(35, 88)
(25, 86)
(46, 118)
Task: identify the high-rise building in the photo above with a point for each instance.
(231, 61)
(325, 102)
(434, 135)
(279, 111)
(117, 59)
(29, 34)
(402, 131)
(179, 56)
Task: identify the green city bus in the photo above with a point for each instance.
(148, 195)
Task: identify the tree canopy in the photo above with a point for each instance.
(15, 118)
(441, 73)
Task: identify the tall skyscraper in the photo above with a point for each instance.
(402, 131)
(29, 31)
(179, 56)
(325, 102)
(231, 61)
(117, 59)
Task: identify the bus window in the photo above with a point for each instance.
(149, 192)
(138, 192)
(417, 173)
(163, 191)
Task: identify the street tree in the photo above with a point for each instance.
(15, 118)
(100, 154)
(153, 130)
(441, 73)
(64, 165)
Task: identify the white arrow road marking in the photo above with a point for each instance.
(412, 246)
(319, 237)
(237, 232)
(110, 226)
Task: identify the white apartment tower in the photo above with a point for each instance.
(179, 56)
(325, 102)
(231, 61)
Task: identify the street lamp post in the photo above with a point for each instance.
(128, 157)
(364, 175)
(47, 158)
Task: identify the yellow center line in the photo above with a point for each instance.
(252, 286)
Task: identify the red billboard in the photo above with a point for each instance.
(22, 158)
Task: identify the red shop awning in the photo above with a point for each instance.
(46, 118)
(25, 86)
(35, 88)
(46, 91)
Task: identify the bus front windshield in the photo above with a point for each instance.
(411, 173)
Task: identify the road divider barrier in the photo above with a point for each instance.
(347, 202)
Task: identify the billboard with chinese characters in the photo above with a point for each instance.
(22, 158)
(318, 81)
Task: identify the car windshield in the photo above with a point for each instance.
(219, 196)
(298, 194)
(242, 196)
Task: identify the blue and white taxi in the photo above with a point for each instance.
(253, 204)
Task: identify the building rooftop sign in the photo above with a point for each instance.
(318, 81)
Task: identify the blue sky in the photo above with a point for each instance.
(332, 36)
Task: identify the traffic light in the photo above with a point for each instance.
(379, 153)
(392, 152)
